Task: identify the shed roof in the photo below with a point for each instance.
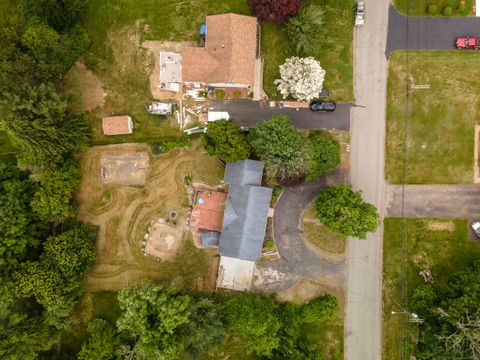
(229, 54)
(117, 125)
(244, 172)
(210, 238)
(244, 221)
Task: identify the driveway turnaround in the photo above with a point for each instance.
(427, 33)
(249, 113)
(363, 332)
(433, 201)
(297, 258)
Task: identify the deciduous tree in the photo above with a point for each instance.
(227, 141)
(319, 309)
(305, 28)
(280, 146)
(154, 318)
(53, 199)
(102, 342)
(302, 78)
(324, 155)
(59, 14)
(254, 318)
(344, 212)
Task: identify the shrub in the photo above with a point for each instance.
(447, 11)
(219, 94)
(269, 245)
(324, 155)
(461, 8)
(277, 11)
(432, 9)
(320, 309)
(305, 28)
(237, 94)
(227, 141)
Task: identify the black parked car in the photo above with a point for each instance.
(326, 106)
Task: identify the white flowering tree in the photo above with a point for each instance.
(300, 77)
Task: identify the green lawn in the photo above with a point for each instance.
(334, 50)
(318, 235)
(440, 245)
(420, 8)
(440, 127)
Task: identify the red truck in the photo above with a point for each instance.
(467, 42)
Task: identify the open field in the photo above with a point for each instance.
(440, 127)
(420, 8)
(123, 214)
(334, 50)
(439, 245)
(318, 235)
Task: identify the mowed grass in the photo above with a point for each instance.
(439, 131)
(334, 50)
(420, 8)
(439, 245)
(318, 235)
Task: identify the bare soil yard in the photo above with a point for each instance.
(124, 213)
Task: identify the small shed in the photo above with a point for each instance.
(117, 125)
(218, 115)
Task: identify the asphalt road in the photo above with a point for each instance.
(363, 330)
(426, 33)
(297, 258)
(434, 201)
(249, 113)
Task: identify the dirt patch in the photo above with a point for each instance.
(89, 85)
(441, 226)
(305, 290)
(124, 219)
(124, 169)
(154, 48)
(163, 240)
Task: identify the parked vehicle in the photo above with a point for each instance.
(467, 42)
(324, 106)
(360, 14)
(159, 108)
(476, 227)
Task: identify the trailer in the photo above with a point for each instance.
(159, 108)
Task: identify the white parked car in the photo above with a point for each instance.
(360, 14)
(476, 227)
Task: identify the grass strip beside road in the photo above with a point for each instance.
(420, 8)
(440, 128)
(441, 245)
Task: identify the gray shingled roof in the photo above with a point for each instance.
(244, 172)
(244, 221)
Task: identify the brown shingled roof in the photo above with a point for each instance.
(117, 125)
(229, 54)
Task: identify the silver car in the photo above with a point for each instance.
(360, 14)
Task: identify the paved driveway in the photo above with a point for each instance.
(427, 33)
(248, 113)
(297, 258)
(434, 201)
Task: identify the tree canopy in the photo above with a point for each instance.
(154, 318)
(324, 155)
(301, 78)
(254, 318)
(53, 200)
(343, 211)
(305, 28)
(450, 311)
(59, 14)
(227, 141)
(20, 229)
(280, 146)
(103, 341)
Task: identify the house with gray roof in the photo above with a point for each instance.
(244, 223)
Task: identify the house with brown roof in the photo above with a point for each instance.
(230, 57)
(117, 125)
